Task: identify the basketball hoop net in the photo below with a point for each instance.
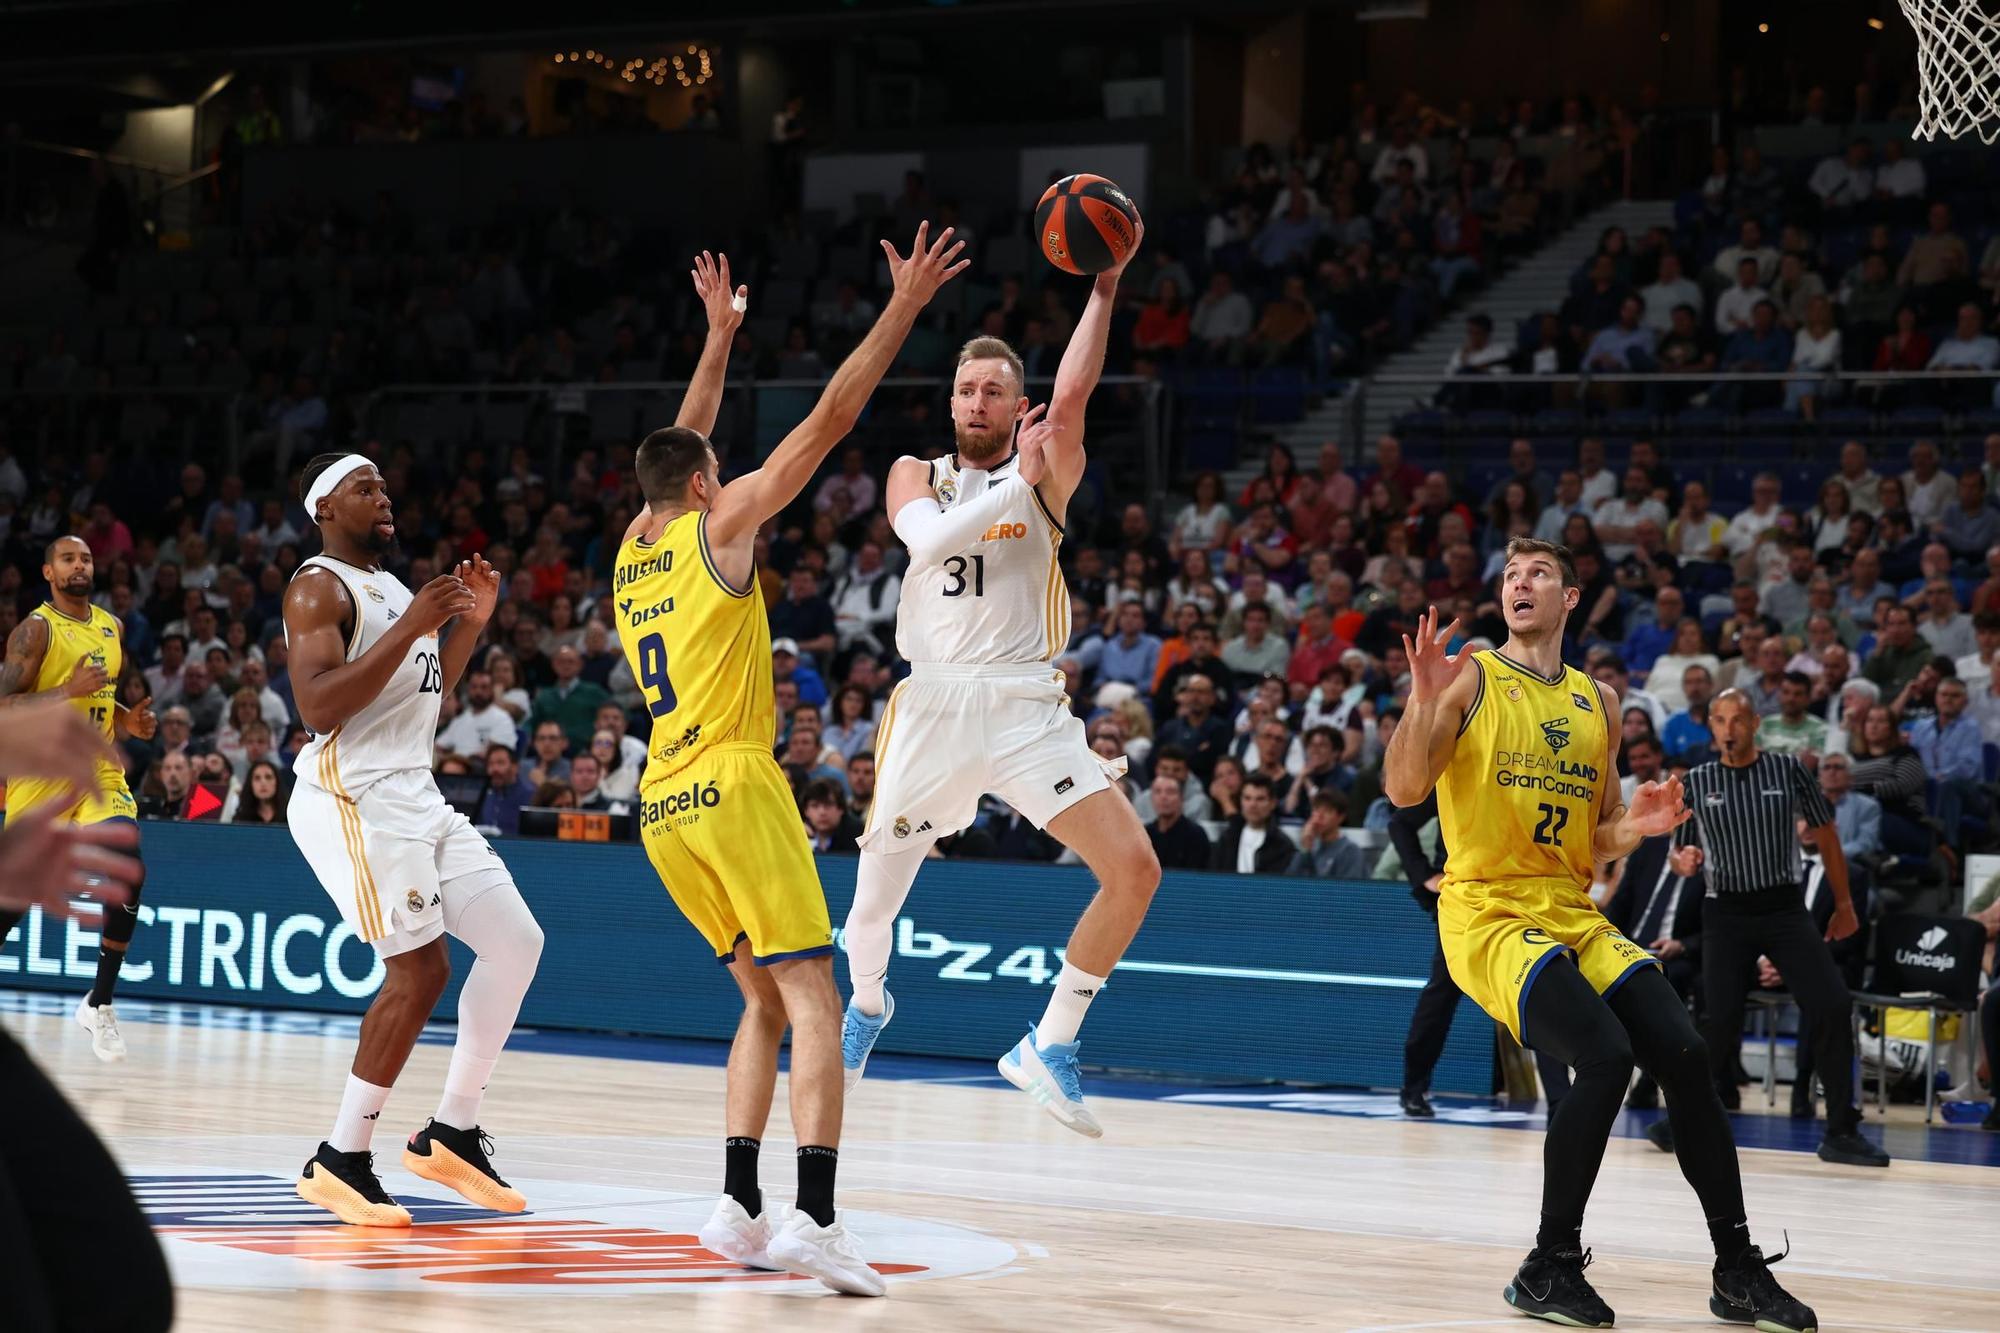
(1958, 68)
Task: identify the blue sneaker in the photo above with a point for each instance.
(858, 1032)
(1049, 1075)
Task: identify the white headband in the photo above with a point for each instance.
(331, 478)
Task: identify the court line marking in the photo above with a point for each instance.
(1273, 974)
(1678, 1320)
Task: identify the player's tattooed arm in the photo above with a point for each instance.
(26, 647)
(725, 306)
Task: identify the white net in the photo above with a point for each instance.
(1958, 68)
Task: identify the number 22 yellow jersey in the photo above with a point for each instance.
(1519, 800)
(699, 648)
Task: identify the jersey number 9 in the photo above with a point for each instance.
(653, 675)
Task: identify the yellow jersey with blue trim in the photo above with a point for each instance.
(1519, 799)
(698, 645)
(72, 642)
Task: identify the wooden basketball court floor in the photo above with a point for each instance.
(1199, 1209)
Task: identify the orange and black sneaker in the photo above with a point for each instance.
(344, 1184)
(459, 1158)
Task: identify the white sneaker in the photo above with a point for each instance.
(735, 1235)
(803, 1246)
(101, 1022)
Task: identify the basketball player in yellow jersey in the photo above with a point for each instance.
(67, 648)
(1523, 752)
(716, 813)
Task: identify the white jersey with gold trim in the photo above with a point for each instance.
(393, 732)
(1000, 600)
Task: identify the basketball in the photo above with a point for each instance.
(1086, 224)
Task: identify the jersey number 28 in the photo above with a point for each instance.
(653, 675)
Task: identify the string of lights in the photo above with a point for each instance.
(690, 68)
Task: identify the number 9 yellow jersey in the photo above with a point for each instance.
(699, 648)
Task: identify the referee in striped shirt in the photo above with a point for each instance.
(1743, 833)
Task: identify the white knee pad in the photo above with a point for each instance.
(485, 909)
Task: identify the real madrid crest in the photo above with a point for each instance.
(415, 901)
(373, 592)
(947, 490)
(902, 827)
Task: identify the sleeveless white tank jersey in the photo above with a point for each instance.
(1002, 599)
(394, 732)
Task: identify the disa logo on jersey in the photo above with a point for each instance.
(644, 614)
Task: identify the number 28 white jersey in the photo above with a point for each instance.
(1002, 599)
(394, 731)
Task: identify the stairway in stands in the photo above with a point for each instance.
(1541, 282)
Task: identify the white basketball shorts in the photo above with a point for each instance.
(950, 734)
(387, 857)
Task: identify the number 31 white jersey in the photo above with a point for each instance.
(1000, 600)
(394, 731)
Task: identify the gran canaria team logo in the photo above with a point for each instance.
(1556, 732)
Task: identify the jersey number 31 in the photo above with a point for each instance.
(956, 568)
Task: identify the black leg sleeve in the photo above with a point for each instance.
(1800, 953)
(1429, 1025)
(1569, 1021)
(77, 1212)
(1668, 1048)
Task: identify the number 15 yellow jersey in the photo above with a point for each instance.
(1519, 799)
(73, 642)
(699, 648)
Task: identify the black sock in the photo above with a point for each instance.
(739, 1174)
(106, 985)
(816, 1168)
(1557, 1236)
(1731, 1236)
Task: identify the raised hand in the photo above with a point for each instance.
(1432, 669)
(1032, 440)
(483, 581)
(711, 284)
(929, 267)
(1138, 239)
(1657, 808)
(439, 600)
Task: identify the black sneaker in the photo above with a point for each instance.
(1992, 1121)
(1417, 1106)
(1744, 1292)
(1552, 1287)
(1850, 1149)
(344, 1184)
(1661, 1134)
(1804, 1105)
(459, 1158)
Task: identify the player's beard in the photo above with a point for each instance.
(79, 585)
(977, 448)
(373, 542)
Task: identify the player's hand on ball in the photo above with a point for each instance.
(141, 721)
(1032, 439)
(483, 580)
(929, 267)
(711, 284)
(86, 680)
(1432, 669)
(439, 600)
(1687, 860)
(1138, 239)
(1657, 808)
(53, 740)
(44, 864)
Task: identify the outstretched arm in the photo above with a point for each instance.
(1441, 690)
(1076, 377)
(704, 395)
(747, 502)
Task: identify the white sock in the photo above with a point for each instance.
(464, 1087)
(881, 883)
(1075, 989)
(360, 1106)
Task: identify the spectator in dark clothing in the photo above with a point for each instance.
(804, 616)
(1179, 843)
(506, 791)
(829, 828)
(1203, 659)
(1253, 843)
(1196, 728)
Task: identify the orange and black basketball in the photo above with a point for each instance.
(1085, 224)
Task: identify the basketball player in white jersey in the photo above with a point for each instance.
(370, 663)
(984, 615)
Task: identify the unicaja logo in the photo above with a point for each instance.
(1923, 955)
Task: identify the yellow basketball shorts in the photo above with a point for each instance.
(113, 802)
(1498, 936)
(727, 841)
